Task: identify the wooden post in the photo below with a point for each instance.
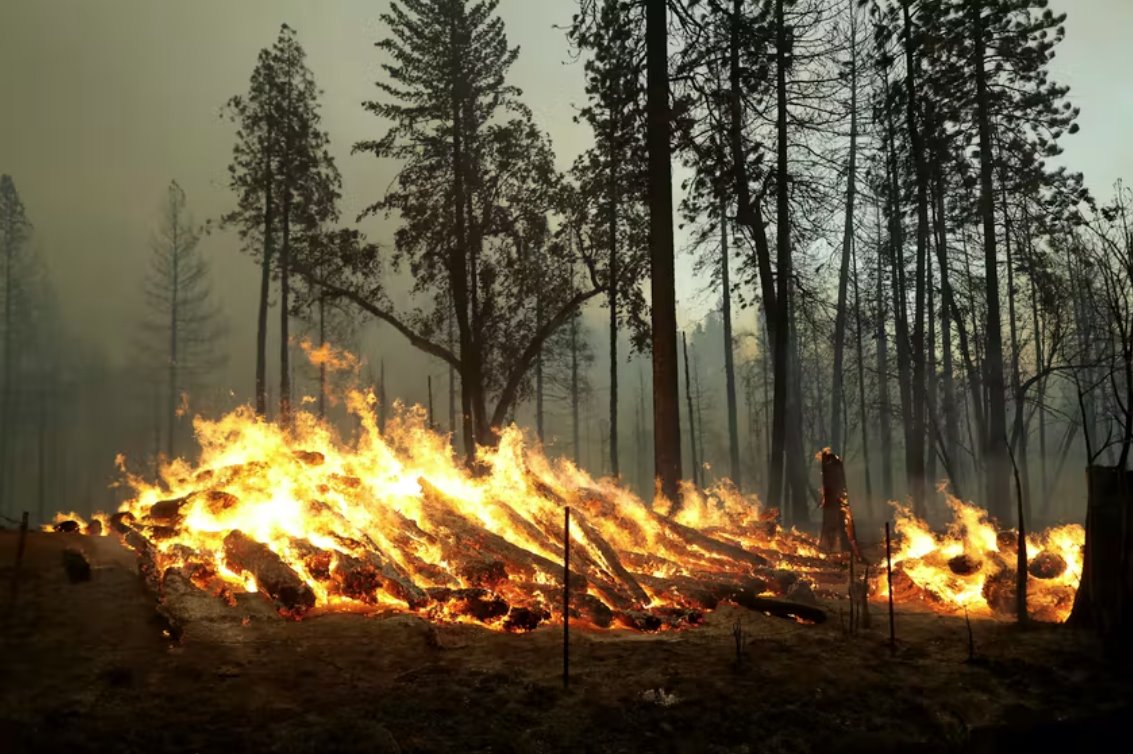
(566, 597)
(889, 580)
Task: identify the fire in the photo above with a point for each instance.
(391, 519)
(972, 565)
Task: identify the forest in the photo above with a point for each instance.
(898, 265)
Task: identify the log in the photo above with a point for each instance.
(273, 576)
(964, 565)
(1047, 565)
(167, 510)
(474, 603)
(694, 538)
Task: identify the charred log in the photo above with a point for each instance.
(272, 575)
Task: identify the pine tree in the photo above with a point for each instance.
(182, 334)
(285, 181)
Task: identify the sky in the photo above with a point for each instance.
(103, 102)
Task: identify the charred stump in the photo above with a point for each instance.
(837, 521)
(1104, 601)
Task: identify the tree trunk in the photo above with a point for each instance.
(951, 423)
(863, 413)
(285, 263)
(174, 295)
(837, 389)
(997, 487)
(322, 363)
(538, 369)
(1104, 601)
(666, 412)
(915, 450)
(691, 417)
(781, 332)
(574, 426)
(837, 521)
(613, 299)
(458, 254)
(265, 292)
(729, 356)
(884, 419)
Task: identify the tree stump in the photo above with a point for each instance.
(837, 521)
(1104, 601)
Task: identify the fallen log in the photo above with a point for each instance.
(695, 539)
(273, 577)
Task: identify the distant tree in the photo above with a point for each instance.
(181, 338)
(18, 267)
(286, 183)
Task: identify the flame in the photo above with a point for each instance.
(390, 518)
(972, 565)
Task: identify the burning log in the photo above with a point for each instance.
(695, 539)
(166, 510)
(999, 591)
(474, 603)
(1047, 565)
(964, 565)
(67, 527)
(273, 576)
(524, 619)
(94, 528)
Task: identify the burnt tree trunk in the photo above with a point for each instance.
(1104, 601)
(837, 522)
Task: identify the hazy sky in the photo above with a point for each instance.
(102, 102)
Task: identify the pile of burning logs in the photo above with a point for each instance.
(482, 577)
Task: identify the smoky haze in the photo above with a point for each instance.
(103, 103)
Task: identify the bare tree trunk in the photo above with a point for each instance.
(930, 378)
(691, 417)
(174, 295)
(729, 356)
(574, 400)
(915, 450)
(666, 411)
(885, 421)
(539, 431)
(265, 292)
(458, 254)
(322, 364)
(699, 419)
(451, 385)
(836, 391)
(613, 297)
(863, 413)
(285, 268)
(951, 424)
(781, 332)
(997, 481)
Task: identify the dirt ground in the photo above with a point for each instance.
(85, 667)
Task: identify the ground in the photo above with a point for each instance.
(86, 667)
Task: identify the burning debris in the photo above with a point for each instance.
(971, 566)
(391, 520)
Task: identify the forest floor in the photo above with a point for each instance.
(86, 667)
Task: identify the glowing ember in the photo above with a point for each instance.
(972, 565)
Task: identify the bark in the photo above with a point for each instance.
(837, 521)
(996, 494)
(947, 305)
(285, 270)
(574, 401)
(666, 412)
